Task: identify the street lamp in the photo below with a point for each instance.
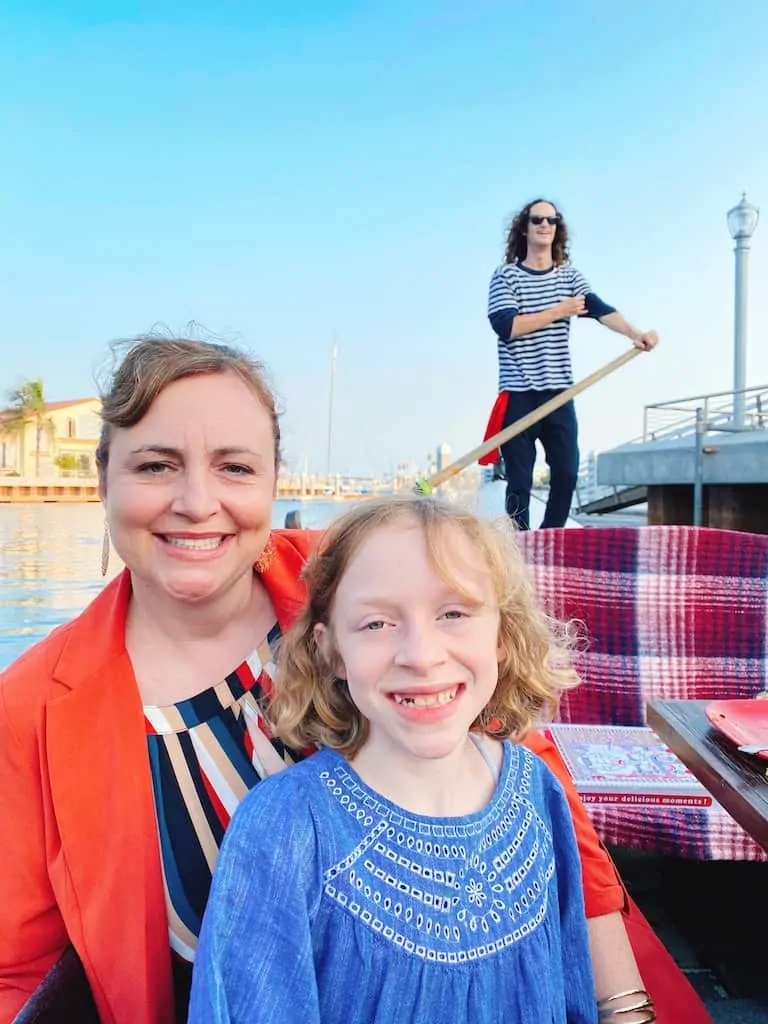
(742, 221)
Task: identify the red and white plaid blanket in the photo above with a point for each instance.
(670, 612)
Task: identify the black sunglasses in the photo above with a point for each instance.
(535, 219)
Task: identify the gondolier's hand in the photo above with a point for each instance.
(646, 341)
(575, 306)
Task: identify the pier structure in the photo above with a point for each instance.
(701, 460)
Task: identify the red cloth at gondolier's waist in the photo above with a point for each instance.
(495, 424)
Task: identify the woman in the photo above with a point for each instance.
(129, 735)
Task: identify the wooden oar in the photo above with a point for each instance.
(427, 486)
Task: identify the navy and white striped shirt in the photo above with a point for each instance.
(541, 360)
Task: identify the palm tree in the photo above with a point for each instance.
(25, 403)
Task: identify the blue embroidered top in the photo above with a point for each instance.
(330, 904)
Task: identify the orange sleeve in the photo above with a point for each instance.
(603, 889)
(305, 541)
(32, 933)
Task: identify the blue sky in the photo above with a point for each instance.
(283, 173)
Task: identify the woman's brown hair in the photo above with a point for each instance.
(152, 362)
(517, 237)
(310, 705)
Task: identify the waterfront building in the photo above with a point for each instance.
(60, 443)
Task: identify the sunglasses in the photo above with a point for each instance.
(540, 220)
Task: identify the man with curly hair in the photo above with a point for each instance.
(532, 297)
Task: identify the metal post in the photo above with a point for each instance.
(293, 519)
(740, 331)
(698, 468)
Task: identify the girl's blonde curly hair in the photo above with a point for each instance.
(311, 706)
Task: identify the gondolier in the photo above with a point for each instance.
(532, 297)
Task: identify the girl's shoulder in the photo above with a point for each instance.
(516, 757)
(288, 801)
(528, 774)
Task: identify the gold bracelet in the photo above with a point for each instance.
(613, 1016)
(622, 995)
(609, 1014)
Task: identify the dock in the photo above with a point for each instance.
(58, 489)
(16, 489)
(701, 460)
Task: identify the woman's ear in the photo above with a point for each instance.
(325, 645)
(102, 479)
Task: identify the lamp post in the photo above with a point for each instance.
(742, 221)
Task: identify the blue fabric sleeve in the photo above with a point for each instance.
(503, 302)
(501, 322)
(254, 962)
(580, 995)
(596, 308)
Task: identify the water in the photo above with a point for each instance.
(50, 561)
(50, 564)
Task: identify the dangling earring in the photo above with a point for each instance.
(105, 547)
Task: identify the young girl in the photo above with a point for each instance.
(422, 866)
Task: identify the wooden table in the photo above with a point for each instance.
(737, 781)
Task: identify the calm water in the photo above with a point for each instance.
(50, 562)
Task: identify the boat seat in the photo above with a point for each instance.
(62, 997)
(668, 612)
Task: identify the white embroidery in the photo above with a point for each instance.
(449, 893)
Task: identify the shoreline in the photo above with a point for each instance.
(62, 490)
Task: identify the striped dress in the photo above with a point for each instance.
(205, 754)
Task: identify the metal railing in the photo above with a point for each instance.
(696, 417)
(588, 492)
(677, 418)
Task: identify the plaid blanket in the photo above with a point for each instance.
(669, 612)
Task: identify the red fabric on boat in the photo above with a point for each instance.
(674, 998)
(495, 424)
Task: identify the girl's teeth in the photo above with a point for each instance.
(431, 700)
(204, 544)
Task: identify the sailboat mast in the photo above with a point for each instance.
(331, 399)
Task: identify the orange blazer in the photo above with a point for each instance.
(81, 861)
(80, 857)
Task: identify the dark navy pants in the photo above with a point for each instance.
(558, 434)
